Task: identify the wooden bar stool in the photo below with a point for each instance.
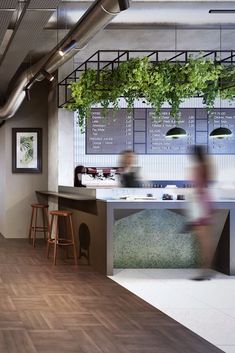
(68, 240)
(34, 227)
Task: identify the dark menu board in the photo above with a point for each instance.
(224, 117)
(142, 132)
(157, 143)
(201, 127)
(110, 134)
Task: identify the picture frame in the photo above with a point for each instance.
(26, 150)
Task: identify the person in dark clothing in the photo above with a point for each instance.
(78, 171)
(128, 170)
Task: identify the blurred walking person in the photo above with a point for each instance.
(201, 209)
(129, 172)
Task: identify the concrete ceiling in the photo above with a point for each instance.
(30, 29)
(154, 13)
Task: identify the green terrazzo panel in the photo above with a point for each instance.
(154, 239)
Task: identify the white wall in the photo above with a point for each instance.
(17, 191)
(2, 179)
(154, 167)
(65, 147)
(53, 159)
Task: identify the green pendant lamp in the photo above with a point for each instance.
(176, 133)
(220, 133)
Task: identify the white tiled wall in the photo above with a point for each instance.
(154, 167)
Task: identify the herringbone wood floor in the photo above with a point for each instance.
(64, 309)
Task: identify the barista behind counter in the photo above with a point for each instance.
(78, 171)
(129, 172)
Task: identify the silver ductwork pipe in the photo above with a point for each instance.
(98, 15)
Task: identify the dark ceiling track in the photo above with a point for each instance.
(99, 62)
(98, 15)
(222, 11)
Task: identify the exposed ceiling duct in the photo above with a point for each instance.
(33, 16)
(98, 15)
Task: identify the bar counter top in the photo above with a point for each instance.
(98, 212)
(144, 199)
(66, 195)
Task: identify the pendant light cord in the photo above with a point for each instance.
(175, 38)
(220, 43)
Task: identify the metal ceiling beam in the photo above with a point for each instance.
(24, 38)
(5, 18)
(8, 4)
(7, 9)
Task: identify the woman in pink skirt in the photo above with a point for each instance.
(201, 208)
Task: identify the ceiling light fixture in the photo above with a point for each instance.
(67, 48)
(222, 11)
(221, 132)
(47, 75)
(175, 133)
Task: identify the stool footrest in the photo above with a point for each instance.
(61, 241)
(39, 228)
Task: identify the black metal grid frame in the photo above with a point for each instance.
(99, 62)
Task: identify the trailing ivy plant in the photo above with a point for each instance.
(227, 83)
(157, 83)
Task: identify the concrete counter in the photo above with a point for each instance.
(99, 217)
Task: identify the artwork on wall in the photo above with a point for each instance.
(26, 150)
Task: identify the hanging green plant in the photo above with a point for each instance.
(227, 83)
(157, 83)
(204, 78)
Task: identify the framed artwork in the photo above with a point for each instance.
(26, 150)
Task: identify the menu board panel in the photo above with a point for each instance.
(142, 132)
(224, 117)
(158, 127)
(201, 127)
(110, 134)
